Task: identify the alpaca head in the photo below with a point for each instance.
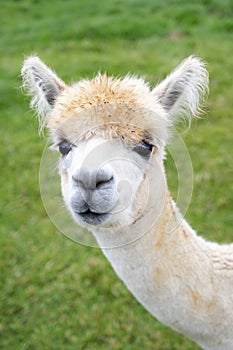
(111, 135)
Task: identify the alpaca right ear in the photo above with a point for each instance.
(42, 84)
(183, 92)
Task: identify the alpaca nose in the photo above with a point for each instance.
(95, 179)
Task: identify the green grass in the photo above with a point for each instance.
(55, 294)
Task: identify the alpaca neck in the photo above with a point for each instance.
(169, 270)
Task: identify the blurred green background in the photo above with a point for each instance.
(55, 294)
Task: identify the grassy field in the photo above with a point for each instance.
(55, 294)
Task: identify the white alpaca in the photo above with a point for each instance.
(111, 134)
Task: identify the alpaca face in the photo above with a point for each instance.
(104, 181)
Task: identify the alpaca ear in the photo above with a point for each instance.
(183, 91)
(42, 84)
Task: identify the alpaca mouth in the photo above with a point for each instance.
(92, 218)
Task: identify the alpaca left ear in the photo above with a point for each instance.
(183, 91)
(42, 84)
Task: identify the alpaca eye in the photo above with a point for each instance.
(144, 149)
(64, 147)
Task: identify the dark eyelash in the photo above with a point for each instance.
(144, 148)
(149, 146)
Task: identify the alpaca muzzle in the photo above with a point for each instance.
(94, 195)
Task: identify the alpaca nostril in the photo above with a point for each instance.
(102, 183)
(78, 182)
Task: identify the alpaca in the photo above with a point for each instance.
(111, 134)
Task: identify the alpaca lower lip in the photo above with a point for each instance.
(92, 218)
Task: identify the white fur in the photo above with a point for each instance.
(184, 281)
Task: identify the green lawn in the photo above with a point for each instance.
(55, 294)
